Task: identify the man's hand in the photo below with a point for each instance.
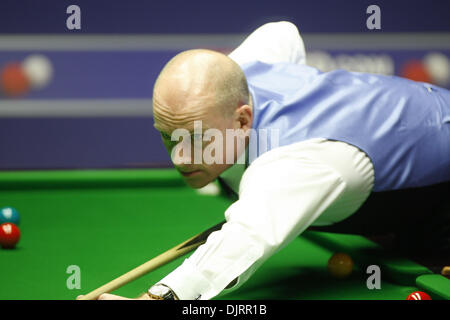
(108, 296)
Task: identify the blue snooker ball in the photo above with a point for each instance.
(9, 214)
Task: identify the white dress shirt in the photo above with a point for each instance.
(283, 192)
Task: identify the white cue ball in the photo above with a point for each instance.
(438, 66)
(211, 189)
(38, 69)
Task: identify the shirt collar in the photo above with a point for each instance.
(233, 175)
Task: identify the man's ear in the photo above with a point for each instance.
(245, 117)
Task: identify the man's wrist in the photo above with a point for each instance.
(161, 292)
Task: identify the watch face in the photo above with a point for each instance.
(160, 291)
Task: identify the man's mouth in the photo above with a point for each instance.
(189, 173)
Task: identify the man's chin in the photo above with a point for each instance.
(196, 183)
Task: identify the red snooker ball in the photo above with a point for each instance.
(418, 295)
(13, 80)
(9, 235)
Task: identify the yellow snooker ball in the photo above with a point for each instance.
(340, 265)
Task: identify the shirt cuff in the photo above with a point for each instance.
(186, 282)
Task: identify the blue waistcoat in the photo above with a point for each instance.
(403, 126)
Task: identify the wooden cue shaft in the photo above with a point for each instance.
(162, 259)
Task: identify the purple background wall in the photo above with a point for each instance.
(97, 74)
(232, 16)
(56, 143)
(84, 77)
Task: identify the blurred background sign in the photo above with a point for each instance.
(81, 98)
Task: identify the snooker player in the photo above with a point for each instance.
(341, 137)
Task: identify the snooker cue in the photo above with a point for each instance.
(164, 258)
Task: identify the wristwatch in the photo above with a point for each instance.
(161, 292)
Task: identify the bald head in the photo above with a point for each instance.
(207, 88)
(197, 79)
